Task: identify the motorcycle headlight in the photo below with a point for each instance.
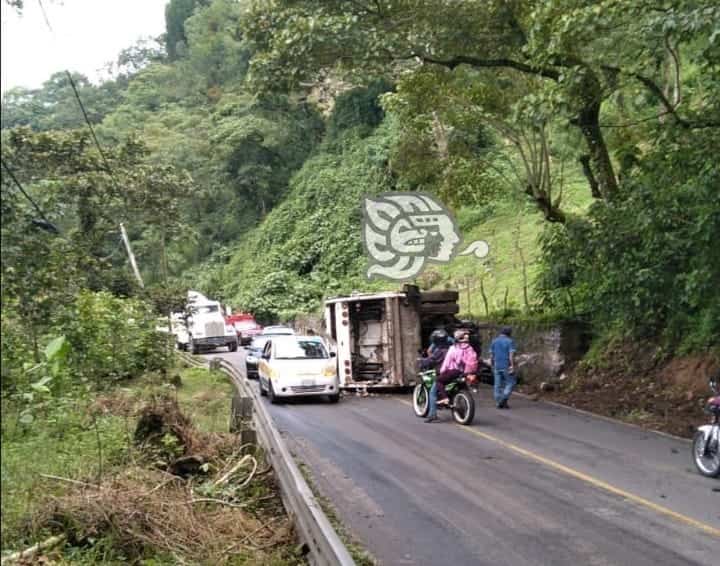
(251, 359)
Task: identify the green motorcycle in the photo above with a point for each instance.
(462, 402)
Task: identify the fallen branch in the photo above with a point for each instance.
(33, 550)
(226, 476)
(251, 474)
(68, 480)
(219, 501)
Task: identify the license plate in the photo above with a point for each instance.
(308, 382)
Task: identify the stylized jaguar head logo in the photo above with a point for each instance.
(402, 231)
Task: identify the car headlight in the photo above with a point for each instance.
(329, 372)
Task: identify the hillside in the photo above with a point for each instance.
(309, 246)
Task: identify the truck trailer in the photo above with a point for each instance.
(379, 336)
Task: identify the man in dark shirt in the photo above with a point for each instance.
(502, 353)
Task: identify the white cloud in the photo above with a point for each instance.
(87, 35)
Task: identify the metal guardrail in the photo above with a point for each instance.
(314, 528)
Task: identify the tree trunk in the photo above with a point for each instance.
(588, 120)
(587, 171)
(549, 210)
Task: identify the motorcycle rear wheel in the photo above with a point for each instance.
(463, 407)
(421, 400)
(707, 464)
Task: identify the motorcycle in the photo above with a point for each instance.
(461, 399)
(706, 442)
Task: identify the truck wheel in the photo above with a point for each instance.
(334, 398)
(194, 348)
(232, 347)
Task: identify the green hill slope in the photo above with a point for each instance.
(309, 246)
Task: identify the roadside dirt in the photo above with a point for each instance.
(634, 385)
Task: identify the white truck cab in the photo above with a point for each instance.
(204, 326)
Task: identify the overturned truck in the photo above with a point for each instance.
(380, 336)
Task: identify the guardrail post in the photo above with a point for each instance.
(241, 418)
(215, 364)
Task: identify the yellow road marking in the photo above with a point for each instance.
(591, 480)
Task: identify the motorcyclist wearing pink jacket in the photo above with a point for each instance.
(460, 360)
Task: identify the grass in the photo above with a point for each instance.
(205, 397)
(507, 226)
(73, 445)
(81, 440)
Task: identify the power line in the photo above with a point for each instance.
(47, 224)
(82, 107)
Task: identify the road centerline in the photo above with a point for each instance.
(589, 479)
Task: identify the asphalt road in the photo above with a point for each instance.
(537, 484)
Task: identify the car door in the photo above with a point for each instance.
(263, 363)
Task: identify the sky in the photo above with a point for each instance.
(87, 35)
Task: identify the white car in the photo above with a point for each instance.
(292, 366)
(278, 330)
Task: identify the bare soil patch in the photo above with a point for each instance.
(635, 384)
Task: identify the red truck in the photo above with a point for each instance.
(245, 325)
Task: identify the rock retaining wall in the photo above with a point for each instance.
(545, 351)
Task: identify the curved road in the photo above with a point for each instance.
(537, 484)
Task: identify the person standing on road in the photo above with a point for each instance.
(460, 360)
(502, 355)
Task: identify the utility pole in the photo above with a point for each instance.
(133, 263)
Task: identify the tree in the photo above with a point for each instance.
(176, 13)
(54, 105)
(579, 54)
(87, 195)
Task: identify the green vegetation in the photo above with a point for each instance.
(579, 140)
(94, 445)
(574, 140)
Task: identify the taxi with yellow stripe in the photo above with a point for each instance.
(295, 366)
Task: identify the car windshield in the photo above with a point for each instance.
(300, 350)
(278, 330)
(204, 309)
(258, 343)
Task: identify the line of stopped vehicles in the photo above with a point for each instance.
(370, 342)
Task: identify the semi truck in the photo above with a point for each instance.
(202, 326)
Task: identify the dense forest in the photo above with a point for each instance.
(580, 139)
(236, 147)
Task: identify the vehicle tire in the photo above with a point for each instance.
(421, 400)
(463, 407)
(274, 399)
(708, 465)
(194, 348)
(263, 392)
(334, 398)
(232, 347)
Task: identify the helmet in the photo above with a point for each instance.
(459, 333)
(439, 337)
